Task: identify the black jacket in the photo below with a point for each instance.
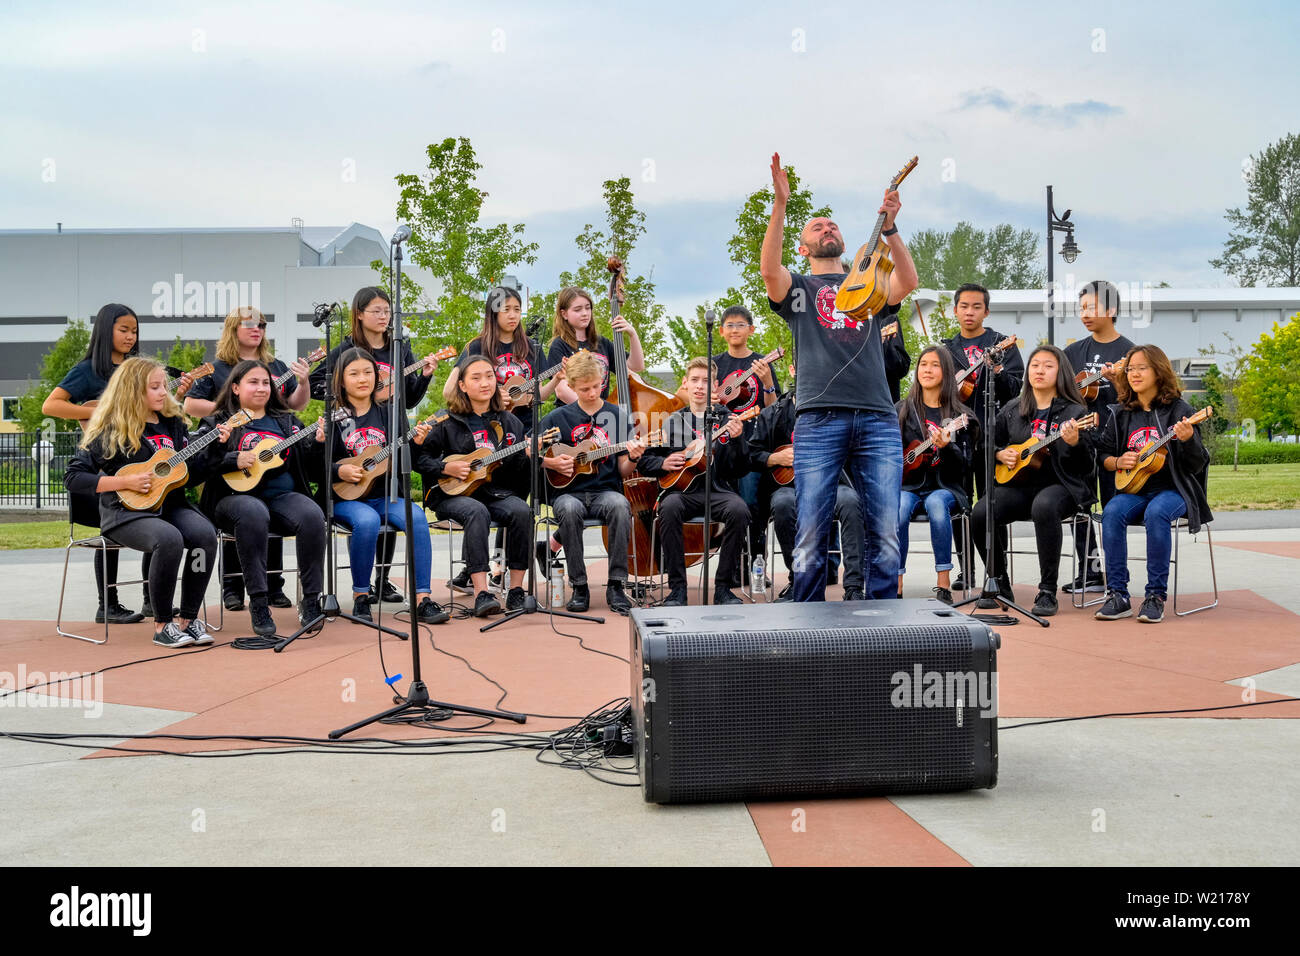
(1075, 468)
(730, 458)
(1187, 462)
(453, 436)
(955, 458)
(417, 383)
(897, 363)
(304, 460)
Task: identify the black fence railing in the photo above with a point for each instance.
(32, 466)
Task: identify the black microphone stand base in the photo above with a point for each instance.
(990, 599)
(329, 610)
(532, 607)
(418, 697)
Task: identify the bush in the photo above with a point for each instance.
(1254, 453)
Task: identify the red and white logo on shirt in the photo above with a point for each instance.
(1039, 429)
(829, 316)
(250, 439)
(974, 356)
(587, 430)
(359, 439)
(508, 367)
(160, 442)
(1141, 437)
(482, 440)
(752, 384)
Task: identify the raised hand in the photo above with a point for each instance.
(780, 181)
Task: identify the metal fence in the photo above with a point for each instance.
(32, 466)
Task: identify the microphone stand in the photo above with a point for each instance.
(989, 597)
(417, 695)
(710, 416)
(329, 602)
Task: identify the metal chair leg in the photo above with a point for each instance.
(1214, 577)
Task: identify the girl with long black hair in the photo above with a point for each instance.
(504, 343)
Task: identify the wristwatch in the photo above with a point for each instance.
(891, 231)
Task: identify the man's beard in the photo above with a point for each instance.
(827, 249)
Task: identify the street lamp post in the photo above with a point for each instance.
(1069, 252)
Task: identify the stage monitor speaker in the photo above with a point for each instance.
(767, 701)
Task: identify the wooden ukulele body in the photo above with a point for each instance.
(246, 479)
(865, 292)
(373, 469)
(783, 474)
(471, 482)
(1131, 480)
(166, 476)
(579, 467)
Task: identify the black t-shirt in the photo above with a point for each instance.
(208, 387)
(608, 426)
(930, 471)
(1089, 355)
(1043, 427)
(730, 368)
(967, 352)
(1144, 428)
(82, 384)
(840, 360)
(507, 366)
(277, 481)
(604, 355)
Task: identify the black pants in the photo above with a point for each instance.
(728, 507)
(848, 512)
(1047, 506)
(181, 534)
(85, 511)
(966, 562)
(274, 565)
(475, 515)
(611, 508)
(252, 519)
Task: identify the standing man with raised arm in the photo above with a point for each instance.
(845, 418)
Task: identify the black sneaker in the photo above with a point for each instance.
(546, 558)
(1153, 610)
(391, 595)
(146, 609)
(260, 611)
(309, 609)
(461, 582)
(676, 598)
(854, 594)
(515, 599)
(117, 614)
(431, 612)
(959, 584)
(361, 608)
(1117, 606)
(1005, 591)
(485, 604)
(1045, 604)
(943, 594)
(278, 598)
(197, 630)
(232, 600)
(1095, 585)
(787, 594)
(723, 595)
(173, 635)
(580, 601)
(616, 598)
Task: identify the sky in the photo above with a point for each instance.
(250, 114)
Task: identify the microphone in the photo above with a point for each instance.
(322, 313)
(403, 233)
(534, 325)
(709, 317)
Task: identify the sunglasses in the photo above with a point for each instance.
(250, 324)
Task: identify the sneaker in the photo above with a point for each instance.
(232, 600)
(146, 609)
(309, 609)
(485, 604)
(1153, 610)
(943, 594)
(278, 598)
(1045, 604)
(260, 611)
(676, 598)
(854, 594)
(199, 631)
(723, 595)
(515, 600)
(581, 599)
(959, 584)
(546, 558)
(431, 612)
(616, 598)
(787, 594)
(173, 636)
(361, 608)
(461, 582)
(117, 614)
(1005, 591)
(1095, 585)
(497, 581)
(1117, 606)
(391, 595)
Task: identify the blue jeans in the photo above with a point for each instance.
(867, 445)
(940, 505)
(1158, 511)
(365, 518)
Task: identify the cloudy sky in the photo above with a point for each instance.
(193, 115)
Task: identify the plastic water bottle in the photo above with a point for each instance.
(757, 575)
(557, 588)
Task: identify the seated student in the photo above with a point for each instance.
(1150, 404)
(598, 495)
(354, 385)
(243, 336)
(137, 417)
(1061, 486)
(478, 421)
(773, 430)
(938, 485)
(280, 504)
(677, 505)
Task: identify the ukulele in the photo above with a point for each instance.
(1152, 457)
(1090, 385)
(694, 453)
(373, 462)
(965, 380)
(888, 330)
(201, 371)
(447, 351)
(783, 474)
(519, 388)
(586, 453)
(735, 390)
(916, 456)
(168, 468)
(865, 290)
(484, 461)
(269, 453)
(312, 359)
(1029, 459)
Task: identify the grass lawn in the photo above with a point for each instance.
(1254, 487)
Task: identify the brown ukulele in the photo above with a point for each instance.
(585, 454)
(315, 356)
(694, 453)
(916, 456)
(735, 390)
(783, 474)
(446, 352)
(269, 454)
(965, 380)
(168, 468)
(1029, 459)
(374, 462)
(484, 461)
(1152, 457)
(201, 371)
(519, 388)
(888, 330)
(865, 291)
(1090, 384)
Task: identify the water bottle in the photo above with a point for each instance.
(557, 588)
(757, 570)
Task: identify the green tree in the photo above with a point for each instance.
(1223, 391)
(65, 353)
(1269, 390)
(996, 258)
(1263, 246)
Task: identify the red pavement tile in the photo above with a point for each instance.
(1283, 549)
(864, 831)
